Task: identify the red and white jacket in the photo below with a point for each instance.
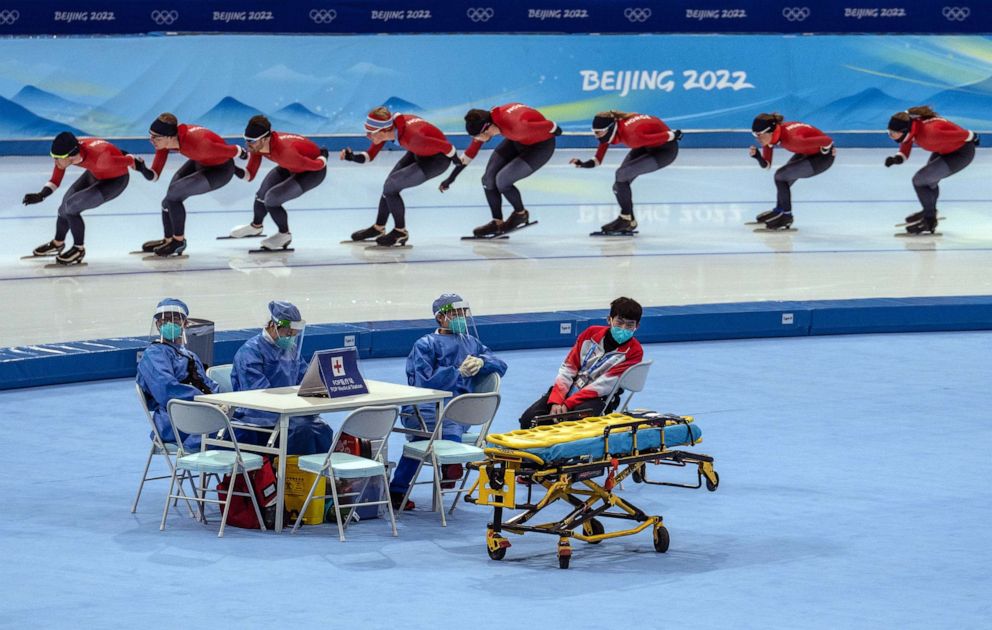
(100, 157)
(638, 131)
(936, 135)
(294, 153)
(518, 123)
(589, 371)
(198, 144)
(417, 136)
(799, 138)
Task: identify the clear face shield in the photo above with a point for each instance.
(456, 319)
(169, 325)
(287, 335)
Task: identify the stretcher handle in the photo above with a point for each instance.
(651, 423)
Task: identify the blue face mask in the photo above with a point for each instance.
(286, 343)
(458, 325)
(622, 335)
(171, 331)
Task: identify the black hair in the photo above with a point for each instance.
(626, 308)
(476, 121)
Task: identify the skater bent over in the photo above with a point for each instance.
(653, 147)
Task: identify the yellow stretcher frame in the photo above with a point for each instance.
(573, 482)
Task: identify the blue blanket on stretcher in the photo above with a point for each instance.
(621, 443)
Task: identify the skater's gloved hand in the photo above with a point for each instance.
(123, 152)
(894, 159)
(324, 152)
(242, 153)
(239, 172)
(557, 130)
(677, 135)
(583, 163)
(38, 197)
(828, 150)
(139, 165)
(762, 162)
(457, 159)
(470, 366)
(977, 140)
(446, 184)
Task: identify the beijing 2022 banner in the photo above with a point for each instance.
(115, 86)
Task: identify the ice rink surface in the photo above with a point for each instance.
(692, 246)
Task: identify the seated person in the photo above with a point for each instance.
(599, 357)
(449, 359)
(273, 359)
(168, 369)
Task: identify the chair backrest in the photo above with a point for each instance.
(222, 375)
(471, 409)
(148, 414)
(370, 423)
(634, 379)
(197, 418)
(488, 383)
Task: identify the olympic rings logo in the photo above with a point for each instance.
(637, 14)
(323, 16)
(480, 14)
(956, 14)
(796, 14)
(164, 18)
(9, 17)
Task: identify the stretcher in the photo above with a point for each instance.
(566, 460)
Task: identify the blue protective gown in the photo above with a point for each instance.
(162, 369)
(260, 364)
(433, 363)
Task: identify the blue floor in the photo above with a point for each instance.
(854, 494)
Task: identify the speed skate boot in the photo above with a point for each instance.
(246, 230)
(367, 234)
(925, 224)
(150, 246)
(780, 221)
(516, 220)
(396, 238)
(492, 228)
(623, 224)
(72, 256)
(279, 240)
(766, 215)
(171, 248)
(48, 249)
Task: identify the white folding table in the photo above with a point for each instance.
(285, 402)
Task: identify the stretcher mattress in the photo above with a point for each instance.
(584, 438)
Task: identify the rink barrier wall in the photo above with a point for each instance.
(50, 364)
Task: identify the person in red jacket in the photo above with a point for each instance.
(653, 146)
(105, 178)
(528, 144)
(952, 148)
(428, 154)
(209, 165)
(599, 357)
(300, 166)
(814, 153)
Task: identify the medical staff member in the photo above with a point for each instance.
(450, 359)
(169, 370)
(273, 358)
(596, 362)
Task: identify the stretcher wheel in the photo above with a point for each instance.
(661, 539)
(712, 486)
(593, 527)
(497, 554)
(563, 561)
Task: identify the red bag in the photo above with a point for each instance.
(242, 513)
(354, 446)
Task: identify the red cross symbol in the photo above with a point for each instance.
(337, 366)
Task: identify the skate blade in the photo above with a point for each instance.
(238, 238)
(44, 257)
(771, 231)
(602, 233)
(156, 257)
(281, 250)
(351, 242)
(383, 248)
(754, 223)
(924, 235)
(494, 237)
(65, 266)
(905, 224)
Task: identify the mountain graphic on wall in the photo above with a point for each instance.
(397, 104)
(18, 122)
(62, 110)
(972, 102)
(228, 117)
(299, 116)
(868, 109)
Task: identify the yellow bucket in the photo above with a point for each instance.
(298, 484)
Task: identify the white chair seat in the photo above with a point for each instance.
(345, 465)
(170, 447)
(446, 451)
(470, 438)
(217, 462)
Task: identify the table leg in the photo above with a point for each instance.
(281, 473)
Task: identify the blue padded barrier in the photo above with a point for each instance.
(395, 338)
(50, 364)
(530, 330)
(886, 315)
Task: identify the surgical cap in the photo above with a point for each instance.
(172, 305)
(445, 300)
(284, 311)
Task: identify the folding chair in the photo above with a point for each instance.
(202, 419)
(368, 423)
(221, 374)
(488, 383)
(167, 450)
(631, 382)
(471, 409)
